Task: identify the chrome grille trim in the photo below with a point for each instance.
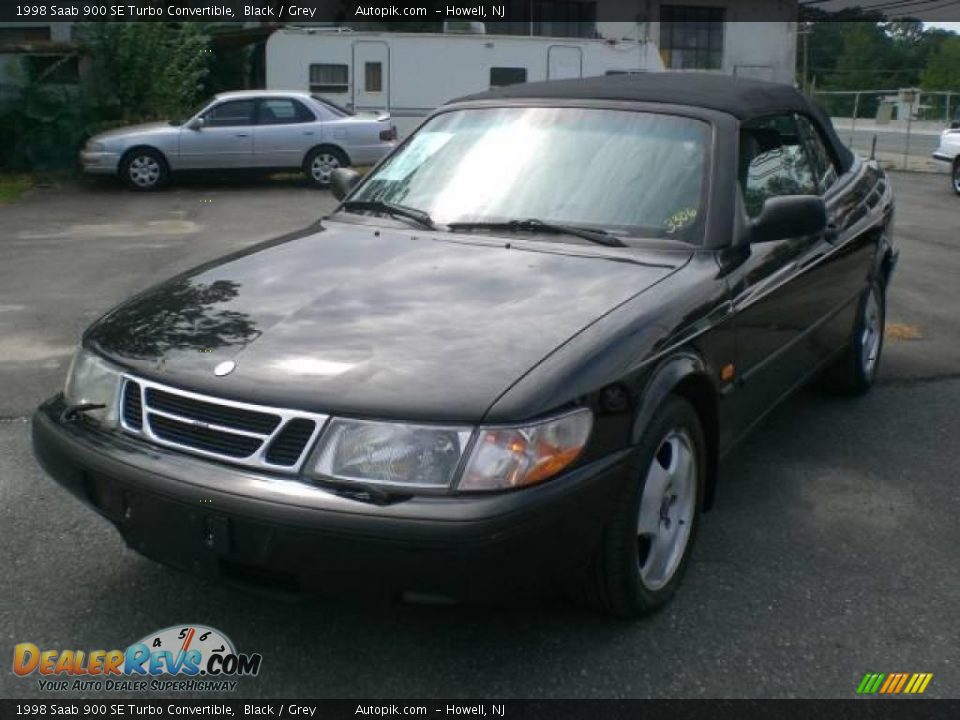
(257, 459)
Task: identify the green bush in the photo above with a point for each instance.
(136, 72)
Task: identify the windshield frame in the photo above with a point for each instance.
(714, 121)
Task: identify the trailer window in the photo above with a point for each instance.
(373, 77)
(327, 77)
(500, 76)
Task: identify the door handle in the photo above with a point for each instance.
(243, 135)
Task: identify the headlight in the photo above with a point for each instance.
(91, 380)
(391, 453)
(517, 457)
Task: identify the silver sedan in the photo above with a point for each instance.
(250, 130)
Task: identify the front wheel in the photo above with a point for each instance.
(956, 175)
(647, 541)
(320, 164)
(143, 170)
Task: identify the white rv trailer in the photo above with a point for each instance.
(410, 74)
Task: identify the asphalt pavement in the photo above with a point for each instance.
(831, 551)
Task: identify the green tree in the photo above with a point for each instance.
(943, 68)
(145, 71)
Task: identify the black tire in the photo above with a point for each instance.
(616, 582)
(856, 369)
(320, 162)
(955, 175)
(144, 169)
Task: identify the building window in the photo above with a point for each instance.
(373, 77)
(691, 38)
(500, 76)
(328, 78)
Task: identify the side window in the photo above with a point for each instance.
(373, 77)
(773, 161)
(822, 162)
(328, 78)
(500, 76)
(230, 114)
(280, 111)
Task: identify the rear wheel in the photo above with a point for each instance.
(647, 542)
(320, 164)
(956, 175)
(855, 371)
(143, 169)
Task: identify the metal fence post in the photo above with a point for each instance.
(853, 121)
(906, 147)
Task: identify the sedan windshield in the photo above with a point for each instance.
(625, 172)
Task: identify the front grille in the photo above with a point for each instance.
(290, 442)
(242, 433)
(203, 438)
(211, 413)
(132, 405)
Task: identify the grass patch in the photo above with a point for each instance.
(12, 185)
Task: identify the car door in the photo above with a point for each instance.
(853, 204)
(224, 140)
(776, 289)
(286, 129)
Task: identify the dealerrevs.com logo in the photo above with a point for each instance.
(199, 657)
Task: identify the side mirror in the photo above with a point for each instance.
(789, 216)
(342, 181)
(196, 124)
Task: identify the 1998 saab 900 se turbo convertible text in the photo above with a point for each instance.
(516, 351)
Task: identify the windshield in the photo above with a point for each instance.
(627, 172)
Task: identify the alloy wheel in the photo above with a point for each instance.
(667, 510)
(872, 333)
(144, 171)
(323, 166)
(956, 176)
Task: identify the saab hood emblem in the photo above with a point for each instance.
(224, 368)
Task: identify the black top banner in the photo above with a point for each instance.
(488, 709)
(422, 11)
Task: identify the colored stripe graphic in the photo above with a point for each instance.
(894, 683)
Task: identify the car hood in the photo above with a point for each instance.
(154, 128)
(370, 322)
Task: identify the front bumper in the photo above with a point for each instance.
(99, 163)
(215, 519)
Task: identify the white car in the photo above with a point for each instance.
(247, 130)
(949, 153)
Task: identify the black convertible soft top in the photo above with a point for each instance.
(744, 99)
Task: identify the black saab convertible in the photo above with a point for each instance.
(516, 352)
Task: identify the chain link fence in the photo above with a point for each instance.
(900, 127)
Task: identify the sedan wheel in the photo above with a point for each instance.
(667, 509)
(956, 176)
(143, 170)
(647, 540)
(320, 165)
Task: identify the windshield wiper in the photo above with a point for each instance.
(601, 237)
(420, 217)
